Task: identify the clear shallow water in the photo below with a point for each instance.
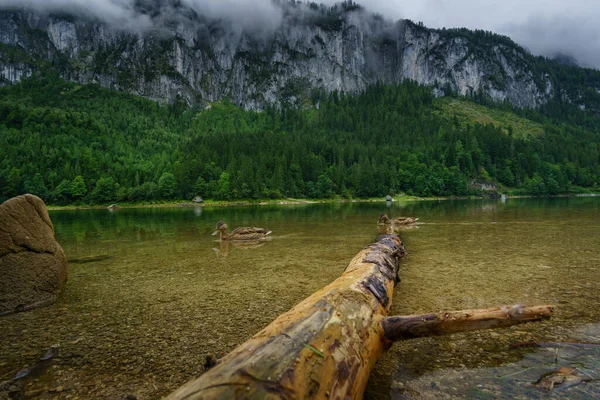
(141, 320)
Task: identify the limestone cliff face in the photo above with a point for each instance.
(198, 60)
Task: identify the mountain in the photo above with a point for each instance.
(188, 57)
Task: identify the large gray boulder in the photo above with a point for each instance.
(33, 266)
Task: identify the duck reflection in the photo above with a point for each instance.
(225, 246)
(395, 229)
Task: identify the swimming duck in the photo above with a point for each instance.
(240, 233)
(384, 219)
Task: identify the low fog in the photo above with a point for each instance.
(249, 14)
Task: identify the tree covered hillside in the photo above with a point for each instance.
(70, 143)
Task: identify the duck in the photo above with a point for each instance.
(384, 219)
(244, 233)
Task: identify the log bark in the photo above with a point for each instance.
(446, 323)
(325, 347)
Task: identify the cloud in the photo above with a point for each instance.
(262, 15)
(257, 15)
(120, 13)
(544, 26)
(578, 37)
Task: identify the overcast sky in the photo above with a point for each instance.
(545, 27)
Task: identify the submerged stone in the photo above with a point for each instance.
(33, 266)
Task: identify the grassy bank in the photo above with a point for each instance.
(289, 201)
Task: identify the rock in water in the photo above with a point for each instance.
(33, 266)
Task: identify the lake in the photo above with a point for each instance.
(159, 293)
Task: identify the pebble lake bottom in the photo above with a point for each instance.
(151, 293)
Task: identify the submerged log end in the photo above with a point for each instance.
(445, 323)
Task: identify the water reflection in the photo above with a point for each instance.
(141, 320)
(468, 255)
(226, 245)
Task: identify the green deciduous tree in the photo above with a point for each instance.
(224, 187)
(105, 191)
(167, 186)
(62, 193)
(37, 187)
(78, 189)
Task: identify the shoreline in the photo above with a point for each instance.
(396, 199)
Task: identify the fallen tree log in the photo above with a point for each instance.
(325, 347)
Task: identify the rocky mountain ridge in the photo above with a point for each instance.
(198, 60)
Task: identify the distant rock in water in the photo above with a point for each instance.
(33, 266)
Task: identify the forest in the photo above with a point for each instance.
(81, 144)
